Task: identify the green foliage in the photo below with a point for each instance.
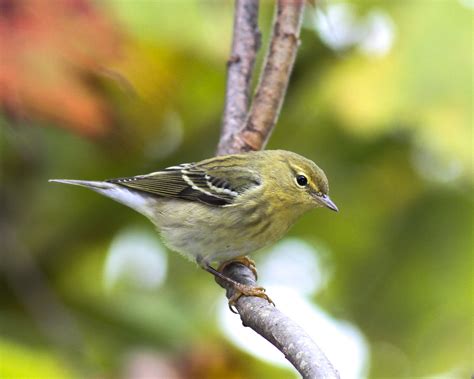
(393, 133)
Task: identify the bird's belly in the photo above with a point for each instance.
(216, 239)
(217, 244)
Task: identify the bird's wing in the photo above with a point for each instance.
(195, 182)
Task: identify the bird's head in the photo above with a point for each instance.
(306, 183)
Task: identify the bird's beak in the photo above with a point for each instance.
(327, 202)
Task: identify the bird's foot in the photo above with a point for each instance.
(247, 290)
(246, 261)
(239, 288)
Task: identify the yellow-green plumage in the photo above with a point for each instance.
(224, 207)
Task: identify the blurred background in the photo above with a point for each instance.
(381, 98)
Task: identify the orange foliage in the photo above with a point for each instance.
(47, 50)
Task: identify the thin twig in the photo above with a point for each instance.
(278, 329)
(273, 83)
(245, 44)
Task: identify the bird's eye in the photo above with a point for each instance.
(302, 180)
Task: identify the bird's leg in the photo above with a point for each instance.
(240, 288)
(246, 261)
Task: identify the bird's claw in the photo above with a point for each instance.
(247, 290)
(246, 261)
(239, 288)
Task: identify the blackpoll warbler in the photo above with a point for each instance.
(223, 208)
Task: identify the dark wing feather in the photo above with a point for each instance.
(194, 182)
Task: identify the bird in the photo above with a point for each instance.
(220, 210)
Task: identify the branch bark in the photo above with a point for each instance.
(245, 45)
(286, 335)
(270, 93)
(244, 132)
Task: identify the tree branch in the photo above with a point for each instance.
(243, 132)
(245, 44)
(270, 93)
(277, 328)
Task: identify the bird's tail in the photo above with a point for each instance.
(133, 199)
(94, 185)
